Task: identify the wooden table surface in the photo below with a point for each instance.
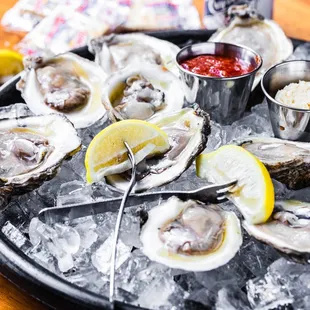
(296, 24)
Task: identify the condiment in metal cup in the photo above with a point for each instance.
(287, 122)
(224, 98)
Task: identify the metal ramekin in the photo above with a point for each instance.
(225, 99)
(287, 123)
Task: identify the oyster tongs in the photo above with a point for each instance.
(209, 193)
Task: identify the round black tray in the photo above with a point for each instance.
(30, 276)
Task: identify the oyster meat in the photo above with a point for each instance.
(264, 36)
(32, 149)
(190, 235)
(288, 229)
(188, 131)
(139, 92)
(287, 161)
(117, 51)
(66, 84)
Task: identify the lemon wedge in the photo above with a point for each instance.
(11, 63)
(107, 154)
(254, 193)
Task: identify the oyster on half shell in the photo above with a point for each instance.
(66, 84)
(288, 229)
(287, 161)
(32, 149)
(187, 131)
(140, 92)
(117, 51)
(264, 36)
(190, 235)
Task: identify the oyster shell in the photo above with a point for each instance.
(188, 131)
(116, 51)
(190, 235)
(139, 92)
(32, 149)
(287, 161)
(66, 84)
(264, 36)
(288, 229)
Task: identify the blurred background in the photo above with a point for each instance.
(30, 25)
(33, 27)
(36, 27)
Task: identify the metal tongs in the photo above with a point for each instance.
(210, 193)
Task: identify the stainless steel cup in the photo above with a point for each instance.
(287, 123)
(225, 99)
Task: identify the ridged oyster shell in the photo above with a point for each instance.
(288, 229)
(67, 84)
(264, 36)
(140, 92)
(117, 51)
(287, 161)
(32, 150)
(188, 131)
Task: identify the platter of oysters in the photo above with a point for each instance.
(62, 146)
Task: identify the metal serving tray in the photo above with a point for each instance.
(29, 276)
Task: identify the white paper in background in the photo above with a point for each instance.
(158, 14)
(63, 30)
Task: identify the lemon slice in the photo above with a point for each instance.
(11, 63)
(107, 153)
(254, 193)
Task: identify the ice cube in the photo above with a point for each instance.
(273, 289)
(103, 190)
(230, 274)
(256, 256)
(183, 184)
(261, 110)
(15, 214)
(76, 164)
(14, 111)
(157, 294)
(39, 231)
(34, 235)
(64, 259)
(43, 257)
(202, 297)
(74, 192)
(15, 236)
(48, 190)
(68, 238)
(82, 276)
(232, 298)
(267, 293)
(86, 229)
(217, 137)
(101, 259)
(129, 231)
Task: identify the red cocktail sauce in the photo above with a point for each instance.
(217, 66)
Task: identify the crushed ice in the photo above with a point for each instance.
(258, 277)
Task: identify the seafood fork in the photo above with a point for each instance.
(119, 221)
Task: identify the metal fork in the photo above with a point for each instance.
(118, 222)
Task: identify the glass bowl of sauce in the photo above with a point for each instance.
(219, 77)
